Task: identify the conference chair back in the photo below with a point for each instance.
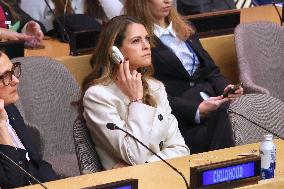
(47, 90)
(260, 56)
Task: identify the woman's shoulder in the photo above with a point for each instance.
(100, 90)
(155, 85)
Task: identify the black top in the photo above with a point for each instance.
(10, 176)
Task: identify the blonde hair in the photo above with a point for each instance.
(142, 9)
(104, 69)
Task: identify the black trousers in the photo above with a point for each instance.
(213, 133)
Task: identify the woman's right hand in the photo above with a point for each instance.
(4, 134)
(129, 83)
(210, 105)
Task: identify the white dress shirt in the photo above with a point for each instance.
(15, 139)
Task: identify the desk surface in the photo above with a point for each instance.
(158, 175)
(53, 48)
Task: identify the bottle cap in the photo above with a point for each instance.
(268, 137)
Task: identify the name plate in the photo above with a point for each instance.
(232, 173)
(123, 184)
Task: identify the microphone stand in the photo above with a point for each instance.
(112, 126)
(22, 169)
(61, 26)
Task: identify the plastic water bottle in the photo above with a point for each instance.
(267, 152)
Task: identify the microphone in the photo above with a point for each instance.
(22, 169)
(64, 35)
(112, 126)
(267, 130)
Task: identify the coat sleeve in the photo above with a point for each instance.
(11, 176)
(184, 109)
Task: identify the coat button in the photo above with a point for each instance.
(160, 117)
(20, 162)
(161, 145)
(191, 84)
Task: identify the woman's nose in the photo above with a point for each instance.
(15, 80)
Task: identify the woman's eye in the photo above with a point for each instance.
(148, 38)
(135, 41)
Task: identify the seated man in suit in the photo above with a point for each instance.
(15, 139)
(187, 7)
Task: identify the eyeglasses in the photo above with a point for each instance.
(7, 77)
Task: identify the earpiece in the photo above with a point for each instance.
(117, 55)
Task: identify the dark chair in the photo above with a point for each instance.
(89, 161)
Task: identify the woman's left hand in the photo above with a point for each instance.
(33, 29)
(239, 92)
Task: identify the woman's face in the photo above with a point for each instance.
(8, 93)
(160, 8)
(136, 46)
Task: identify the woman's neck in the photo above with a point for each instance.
(162, 23)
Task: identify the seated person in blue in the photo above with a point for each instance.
(193, 82)
(125, 94)
(15, 139)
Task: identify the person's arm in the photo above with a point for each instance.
(174, 145)
(184, 109)
(112, 8)
(12, 176)
(6, 34)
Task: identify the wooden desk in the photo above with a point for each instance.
(261, 13)
(158, 175)
(53, 48)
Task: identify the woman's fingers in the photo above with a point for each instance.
(126, 69)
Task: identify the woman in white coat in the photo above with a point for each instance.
(125, 94)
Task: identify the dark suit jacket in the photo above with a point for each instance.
(184, 90)
(187, 7)
(23, 16)
(10, 176)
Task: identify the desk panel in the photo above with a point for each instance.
(157, 175)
